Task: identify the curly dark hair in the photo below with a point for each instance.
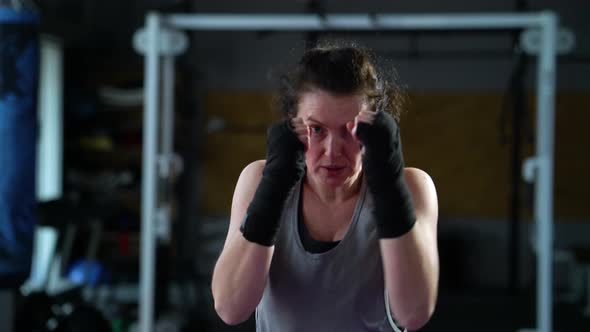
(340, 70)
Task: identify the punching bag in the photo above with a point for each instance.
(19, 72)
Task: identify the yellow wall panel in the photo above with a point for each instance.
(455, 137)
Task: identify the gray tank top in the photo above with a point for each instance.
(341, 289)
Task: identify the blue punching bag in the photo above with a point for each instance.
(19, 72)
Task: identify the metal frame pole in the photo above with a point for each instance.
(310, 22)
(149, 183)
(544, 179)
(166, 156)
(541, 164)
(167, 147)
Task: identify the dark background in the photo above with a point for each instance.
(460, 127)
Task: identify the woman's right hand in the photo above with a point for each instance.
(284, 148)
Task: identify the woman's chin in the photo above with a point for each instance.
(333, 180)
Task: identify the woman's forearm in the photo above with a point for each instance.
(411, 269)
(239, 279)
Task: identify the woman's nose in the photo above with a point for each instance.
(334, 145)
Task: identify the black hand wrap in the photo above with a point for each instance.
(383, 167)
(285, 166)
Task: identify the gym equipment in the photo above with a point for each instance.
(19, 56)
(89, 272)
(50, 301)
(161, 40)
(67, 312)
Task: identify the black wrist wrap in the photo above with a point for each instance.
(285, 166)
(383, 168)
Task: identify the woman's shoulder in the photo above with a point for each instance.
(423, 190)
(419, 183)
(414, 174)
(253, 170)
(246, 186)
(252, 173)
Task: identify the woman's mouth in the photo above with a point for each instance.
(333, 170)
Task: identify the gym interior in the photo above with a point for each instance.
(116, 183)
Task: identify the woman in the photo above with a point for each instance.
(331, 232)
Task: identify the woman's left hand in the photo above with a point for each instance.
(365, 116)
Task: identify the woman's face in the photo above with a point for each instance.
(333, 156)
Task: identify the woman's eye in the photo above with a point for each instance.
(316, 130)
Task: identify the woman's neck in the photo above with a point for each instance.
(334, 195)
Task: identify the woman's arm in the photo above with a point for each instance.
(241, 271)
(410, 262)
(405, 211)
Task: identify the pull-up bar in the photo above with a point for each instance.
(310, 22)
(161, 41)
